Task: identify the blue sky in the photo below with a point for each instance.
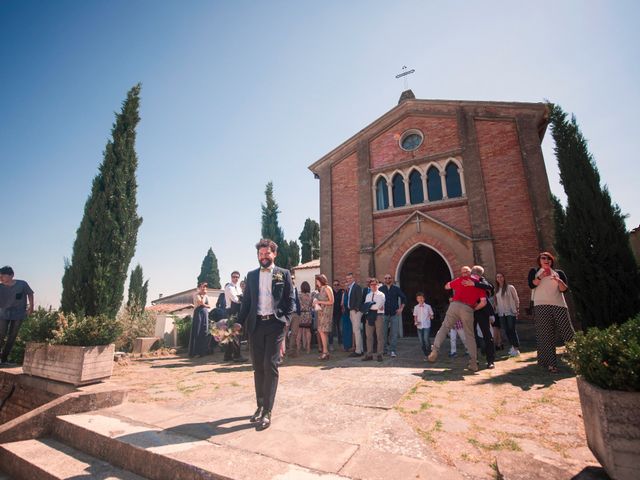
(239, 93)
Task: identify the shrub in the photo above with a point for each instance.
(609, 358)
(38, 327)
(134, 323)
(183, 327)
(86, 331)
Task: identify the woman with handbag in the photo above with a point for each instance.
(507, 308)
(550, 310)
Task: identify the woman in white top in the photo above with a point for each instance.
(550, 310)
(507, 308)
(375, 320)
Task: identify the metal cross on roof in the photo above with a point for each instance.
(404, 75)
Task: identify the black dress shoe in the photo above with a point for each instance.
(256, 416)
(265, 421)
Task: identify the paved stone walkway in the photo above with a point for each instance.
(399, 419)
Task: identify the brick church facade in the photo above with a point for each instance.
(433, 185)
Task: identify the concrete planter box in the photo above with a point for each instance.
(612, 424)
(69, 364)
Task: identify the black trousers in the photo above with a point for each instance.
(265, 353)
(481, 318)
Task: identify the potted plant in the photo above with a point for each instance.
(79, 351)
(607, 362)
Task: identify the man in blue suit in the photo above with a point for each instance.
(267, 304)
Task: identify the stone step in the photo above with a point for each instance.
(158, 454)
(49, 459)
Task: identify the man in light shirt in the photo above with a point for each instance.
(233, 297)
(267, 305)
(422, 316)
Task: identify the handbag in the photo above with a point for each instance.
(529, 310)
(305, 320)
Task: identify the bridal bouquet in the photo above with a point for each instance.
(223, 333)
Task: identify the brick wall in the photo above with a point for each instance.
(491, 138)
(510, 212)
(454, 216)
(345, 224)
(440, 135)
(18, 399)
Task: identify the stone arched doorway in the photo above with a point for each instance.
(424, 270)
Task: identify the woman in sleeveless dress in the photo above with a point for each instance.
(324, 311)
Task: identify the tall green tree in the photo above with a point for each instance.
(209, 270)
(293, 254)
(310, 240)
(138, 289)
(93, 281)
(591, 237)
(270, 211)
(288, 252)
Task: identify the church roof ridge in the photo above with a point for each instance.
(407, 103)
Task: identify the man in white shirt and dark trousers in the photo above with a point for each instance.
(233, 297)
(267, 305)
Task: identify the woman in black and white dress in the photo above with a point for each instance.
(550, 310)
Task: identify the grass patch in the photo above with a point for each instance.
(438, 426)
(425, 406)
(507, 444)
(427, 435)
(188, 389)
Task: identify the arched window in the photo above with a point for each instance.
(452, 177)
(397, 187)
(416, 194)
(434, 187)
(382, 194)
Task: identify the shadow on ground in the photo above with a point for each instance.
(526, 377)
(187, 432)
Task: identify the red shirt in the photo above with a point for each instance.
(467, 295)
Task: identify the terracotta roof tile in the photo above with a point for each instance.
(168, 307)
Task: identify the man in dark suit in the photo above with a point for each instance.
(267, 304)
(353, 291)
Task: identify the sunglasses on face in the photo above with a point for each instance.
(544, 257)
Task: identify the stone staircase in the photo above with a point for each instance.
(100, 445)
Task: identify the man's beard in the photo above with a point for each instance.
(265, 262)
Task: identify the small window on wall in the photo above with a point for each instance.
(454, 188)
(397, 187)
(411, 140)
(382, 194)
(416, 193)
(434, 186)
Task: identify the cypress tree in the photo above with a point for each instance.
(209, 270)
(591, 237)
(270, 226)
(271, 230)
(137, 290)
(93, 281)
(293, 254)
(310, 240)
